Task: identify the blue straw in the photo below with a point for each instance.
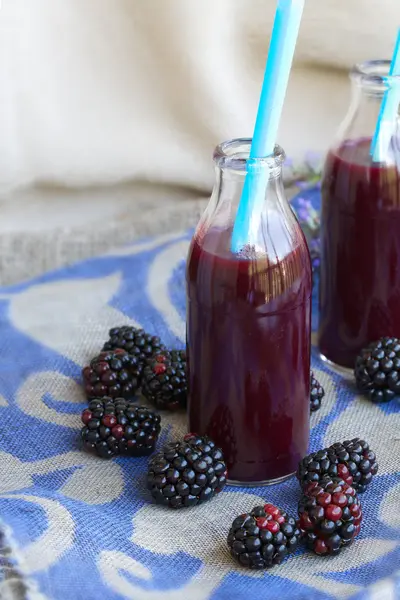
(389, 110)
(277, 71)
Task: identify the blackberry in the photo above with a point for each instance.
(330, 515)
(360, 461)
(317, 465)
(164, 379)
(134, 341)
(263, 538)
(115, 427)
(377, 370)
(186, 473)
(317, 392)
(352, 461)
(114, 374)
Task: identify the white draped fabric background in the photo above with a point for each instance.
(116, 106)
(98, 91)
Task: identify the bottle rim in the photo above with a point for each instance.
(374, 73)
(235, 153)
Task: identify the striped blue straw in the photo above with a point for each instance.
(280, 57)
(389, 110)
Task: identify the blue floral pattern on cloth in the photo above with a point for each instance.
(83, 528)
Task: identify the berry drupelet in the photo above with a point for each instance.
(134, 341)
(164, 379)
(263, 538)
(352, 461)
(317, 392)
(377, 370)
(330, 515)
(114, 374)
(186, 473)
(113, 427)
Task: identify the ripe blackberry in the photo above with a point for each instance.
(186, 473)
(317, 392)
(330, 515)
(317, 465)
(117, 427)
(352, 461)
(114, 374)
(263, 538)
(164, 379)
(360, 461)
(377, 370)
(134, 341)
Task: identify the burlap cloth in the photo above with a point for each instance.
(76, 527)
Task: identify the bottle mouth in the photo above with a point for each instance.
(234, 154)
(374, 74)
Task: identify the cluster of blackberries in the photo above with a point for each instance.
(329, 509)
(185, 473)
(190, 471)
(132, 360)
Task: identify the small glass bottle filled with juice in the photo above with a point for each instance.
(360, 228)
(248, 326)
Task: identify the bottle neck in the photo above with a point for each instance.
(233, 165)
(266, 181)
(370, 82)
(268, 214)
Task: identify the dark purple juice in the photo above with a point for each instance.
(249, 355)
(360, 270)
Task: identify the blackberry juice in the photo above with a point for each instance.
(248, 348)
(360, 245)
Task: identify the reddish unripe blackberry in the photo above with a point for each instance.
(330, 515)
(263, 538)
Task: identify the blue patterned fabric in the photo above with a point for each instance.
(83, 528)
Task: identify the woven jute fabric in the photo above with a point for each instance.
(26, 252)
(77, 527)
(72, 225)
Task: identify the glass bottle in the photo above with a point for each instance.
(360, 227)
(248, 325)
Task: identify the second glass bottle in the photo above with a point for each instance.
(360, 227)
